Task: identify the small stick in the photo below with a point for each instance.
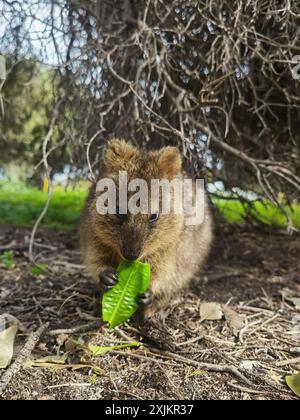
(248, 390)
(15, 368)
(139, 356)
(48, 175)
(288, 362)
(123, 334)
(70, 265)
(12, 246)
(78, 329)
(205, 366)
(68, 385)
(191, 341)
(268, 321)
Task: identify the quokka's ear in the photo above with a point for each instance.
(169, 162)
(118, 154)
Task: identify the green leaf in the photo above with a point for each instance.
(101, 351)
(120, 303)
(293, 382)
(8, 260)
(38, 269)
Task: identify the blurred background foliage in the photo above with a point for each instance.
(214, 78)
(27, 94)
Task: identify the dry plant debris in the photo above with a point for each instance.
(246, 352)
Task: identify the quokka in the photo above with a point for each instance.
(175, 250)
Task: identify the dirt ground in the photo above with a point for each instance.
(245, 355)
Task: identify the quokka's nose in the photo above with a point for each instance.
(131, 255)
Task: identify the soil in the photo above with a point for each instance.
(245, 355)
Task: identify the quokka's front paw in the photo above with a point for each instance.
(149, 305)
(146, 298)
(108, 279)
(149, 311)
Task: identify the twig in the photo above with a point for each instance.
(193, 340)
(78, 329)
(48, 175)
(214, 368)
(247, 390)
(122, 334)
(134, 355)
(288, 362)
(29, 346)
(199, 365)
(68, 386)
(88, 148)
(69, 265)
(12, 246)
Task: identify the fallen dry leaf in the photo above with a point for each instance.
(248, 365)
(293, 382)
(235, 321)
(189, 372)
(210, 311)
(7, 340)
(288, 295)
(276, 378)
(58, 363)
(295, 301)
(285, 293)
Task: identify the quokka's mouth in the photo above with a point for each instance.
(131, 256)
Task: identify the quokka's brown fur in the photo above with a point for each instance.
(175, 251)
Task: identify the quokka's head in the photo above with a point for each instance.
(140, 233)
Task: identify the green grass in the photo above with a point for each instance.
(7, 258)
(263, 211)
(21, 206)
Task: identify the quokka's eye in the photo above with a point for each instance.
(154, 217)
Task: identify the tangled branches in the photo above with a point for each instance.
(215, 77)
